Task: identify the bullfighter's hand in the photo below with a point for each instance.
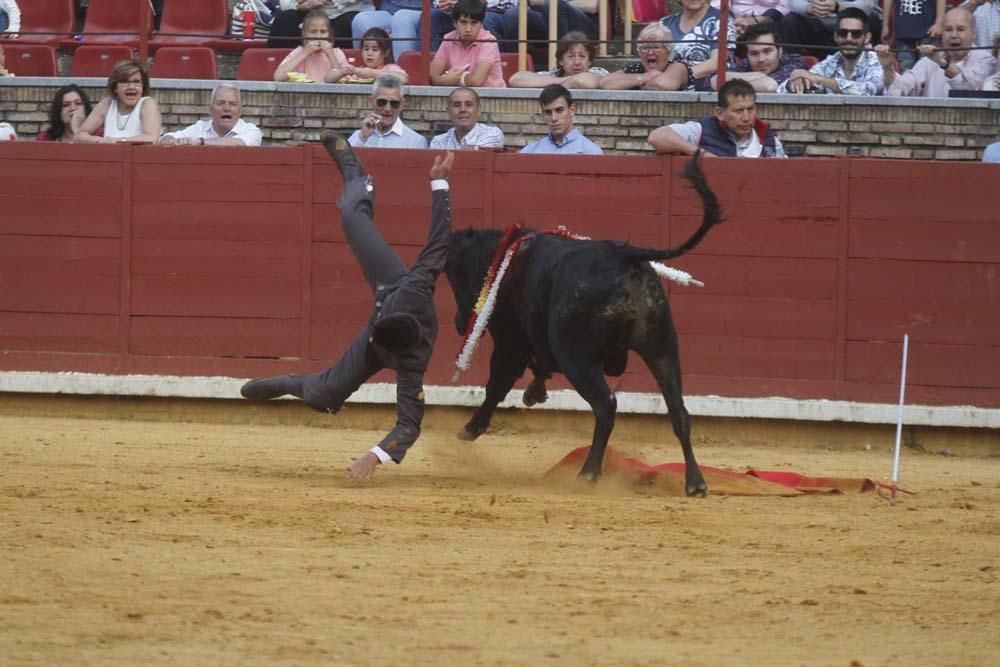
(442, 166)
(363, 467)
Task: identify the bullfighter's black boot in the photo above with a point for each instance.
(264, 389)
(340, 151)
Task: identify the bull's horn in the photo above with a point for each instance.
(455, 375)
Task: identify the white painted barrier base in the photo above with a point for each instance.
(628, 402)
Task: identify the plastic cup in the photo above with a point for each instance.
(249, 17)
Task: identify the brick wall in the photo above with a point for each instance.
(619, 122)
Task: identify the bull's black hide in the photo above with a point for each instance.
(576, 307)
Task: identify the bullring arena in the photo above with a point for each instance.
(152, 517)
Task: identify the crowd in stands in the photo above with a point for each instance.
(917, 48)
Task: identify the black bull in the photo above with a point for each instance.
(577, 307)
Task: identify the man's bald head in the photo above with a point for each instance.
(958, 32)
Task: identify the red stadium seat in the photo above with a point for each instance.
(185, 62)
(508, 62)
(30, 59)
(46, 22)
(412, 62)
(259, 64)
(111, 16)
(94, 60)
(647, 11)
(196, 23)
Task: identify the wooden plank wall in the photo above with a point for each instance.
(192, 261)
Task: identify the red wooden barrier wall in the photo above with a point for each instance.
(191, 261)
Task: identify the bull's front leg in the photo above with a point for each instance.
(506, 365)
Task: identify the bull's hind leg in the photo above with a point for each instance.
(589, 382)
(506, 366)
(663, 362)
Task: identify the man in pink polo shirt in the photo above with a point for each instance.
(469, 55)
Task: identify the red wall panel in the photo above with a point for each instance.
(120, 259)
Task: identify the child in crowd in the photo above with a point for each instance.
(469, 55)
(914, 22)
(312, 61)
(376, 61)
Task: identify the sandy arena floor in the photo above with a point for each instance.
(156, 542)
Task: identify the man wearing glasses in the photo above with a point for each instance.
(383, 128)
(852, 70)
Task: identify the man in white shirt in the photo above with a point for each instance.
(224, 128)
(382, 127)
(467, 133)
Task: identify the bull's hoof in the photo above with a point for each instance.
(468, 435)
(534, 394)
(699, 490)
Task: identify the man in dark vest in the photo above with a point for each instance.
(733, 131)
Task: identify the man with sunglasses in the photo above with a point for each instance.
(809, 28)
(852, 70)
(403, 325)
(382, 127)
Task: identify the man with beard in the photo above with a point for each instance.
(734, 130)
(383, 127)
(223, 128)
(466, 131)
(852, 70)
(952, 67)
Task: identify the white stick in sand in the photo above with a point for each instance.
(899, 419)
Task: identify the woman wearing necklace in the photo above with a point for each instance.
(125, 113)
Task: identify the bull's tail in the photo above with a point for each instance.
(711, 216)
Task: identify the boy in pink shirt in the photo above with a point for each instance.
(469, 55)
(316, 56)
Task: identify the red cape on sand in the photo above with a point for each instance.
(724, 482)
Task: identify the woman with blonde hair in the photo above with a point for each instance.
(126, 113)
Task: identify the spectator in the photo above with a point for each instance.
(399, 18)
(466, 131)
(813, 22)
(575, 57)
(224, 126)
(289, 23)
(695, 31)
(993, 83)
(70, 107)
(383, 127)
(376, 61)
(914, 22)
(558, 111)
(986, 16)
(571, 16)
(852, 70)
(317, 56)
(469, 55)
(10, 19)
(766, 65)
(734, 130)
(443, 22)
(7, 132)
(938, 72)
(754, 12)
(992, 153)
(655, 69)
(3, 70)
(126, 113)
